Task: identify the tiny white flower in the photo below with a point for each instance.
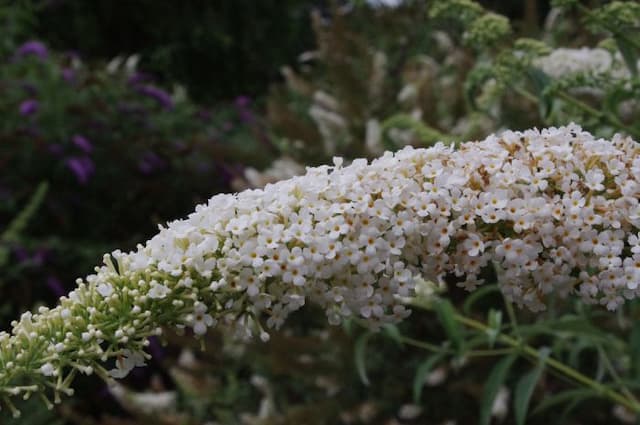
(201, 320)
(48, 369)
(158, 291)
(126, 362)
(105, 289)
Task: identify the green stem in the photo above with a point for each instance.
(584, 107)
(615, 31)
(614, 374)
(567, 371)
(441, 349)
(597, 114)
(421, 344)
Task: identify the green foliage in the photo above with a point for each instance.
(360, 353)
(421, 374)
(494, 381)
(18, 225)
(593, 95)
(411, 93)
(104, 138)
(446, 315)
(525, 386)
(217, 50)
(487, 30)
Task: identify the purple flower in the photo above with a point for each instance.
(150, 162)
(156, 93)
(68, 74)
(138, 78)
(33, 48)
(22, 255)
(204, 115)
(82, 142)
(36, 258)
(242, 101)
(55, 286)
(82, 167)
(242, 106)
(29, 107)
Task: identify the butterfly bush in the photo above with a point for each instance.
(563, 62)
(554, 211)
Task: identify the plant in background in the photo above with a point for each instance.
(361, 91)
(526, 80)
(553, 212)
(102, 138)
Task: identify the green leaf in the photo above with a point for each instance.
(17, 226)
(495, 324)
(474, 82)
(634, 347)
(360, 351)
(540, 82)
(427, 135)
(477, 295)
(525, 387)
(574, 394)
(421, 374)
(447, 316)
(571, 325)
(495, 380)
(629, 54)
(394, 333)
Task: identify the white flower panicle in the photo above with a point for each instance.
(554, 211)
(563, 62)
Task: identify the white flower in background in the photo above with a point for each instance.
(562, 62)
(125, 363)
(385, 3)
(409, 411)
(500, 407)
(281, 169)
(148, 403)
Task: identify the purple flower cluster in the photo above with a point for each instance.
(82, 167)
(28, 107)
(33, 48)
(161, 96)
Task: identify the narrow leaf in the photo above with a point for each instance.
(540, 82)
(446, 314)
(393, 332)
(495, 324)
(629, 54)
(634, 346)
(477, 295)
(360, 356)
(495, 380)
(564, 396)
(421, 374)
(525, 387)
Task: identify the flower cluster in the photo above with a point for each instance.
(554, 211)
(563, 62)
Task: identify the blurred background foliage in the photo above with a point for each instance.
(118, 116)
(218, 50)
